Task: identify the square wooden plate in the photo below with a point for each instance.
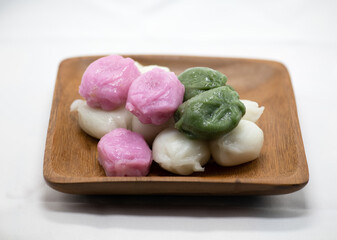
(71, 166)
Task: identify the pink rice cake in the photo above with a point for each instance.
(124, 153)
(155, 96)
(106, 81)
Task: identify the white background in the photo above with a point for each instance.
(36, 35)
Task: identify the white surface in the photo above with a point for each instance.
(36, 35)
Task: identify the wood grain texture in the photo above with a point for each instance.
(71, 166)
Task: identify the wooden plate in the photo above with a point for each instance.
(71, 166)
